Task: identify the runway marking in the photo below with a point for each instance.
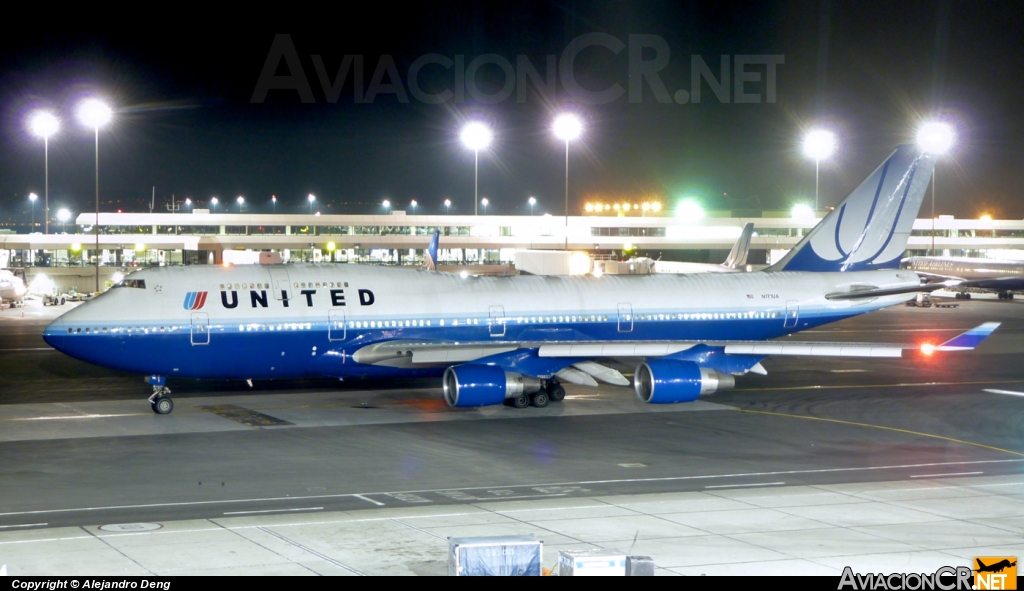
(274, 511)
(746, 485)
(75, 417)
(1007, 392)
(944, 475)
(28, 349)
(848, 370)
(590, 482)
(23, 525)
(884, 428)
(311, 551)
(369, 500)
(897, 385)
(441, 515)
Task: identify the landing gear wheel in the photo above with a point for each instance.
(556, 393)
(539, 399)
(62, 301)
(162, 405)
(967, 296)
(160, 401)
(521, 401)
(959, 296)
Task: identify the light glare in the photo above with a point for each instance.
(567, 127)
(94, 113)
(476, 136)
(935, 137)
(819, 144)
(801, 211)
(690, 210)
(43, 124)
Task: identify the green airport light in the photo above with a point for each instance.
(690, 210)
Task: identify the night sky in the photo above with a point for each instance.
(182, 86)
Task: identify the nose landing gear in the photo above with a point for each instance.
(160, 401)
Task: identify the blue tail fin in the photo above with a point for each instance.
(869, 229)
(430, 258)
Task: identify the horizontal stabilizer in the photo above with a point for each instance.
(969, 339)
(859, 294)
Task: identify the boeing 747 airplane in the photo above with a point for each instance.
(962, 273)
(514, 340)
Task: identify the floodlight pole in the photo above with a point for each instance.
(46, 185)
(566, 247)
(817, 163)
(476, 181)
(933, 210)
(96, 225)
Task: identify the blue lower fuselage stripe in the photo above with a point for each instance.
(240, 349)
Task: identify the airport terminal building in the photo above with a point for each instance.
(128, 240)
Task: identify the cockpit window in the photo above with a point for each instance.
(139, 283)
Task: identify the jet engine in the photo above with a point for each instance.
(484, 385)
(665, 381)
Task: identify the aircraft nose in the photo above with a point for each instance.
(54, 334)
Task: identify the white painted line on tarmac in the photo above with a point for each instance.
(323, 557)
(1007, 392)
(369, 500)
(847, 370)
(76, 417)
(274, 511)
(746, 485)
(549, 484)
(28, 349)
(944, 475)
(23, 525)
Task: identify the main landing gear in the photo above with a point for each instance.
(160, 401)
(965, 295)
(552, 391)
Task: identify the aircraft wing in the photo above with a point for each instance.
(404, 353)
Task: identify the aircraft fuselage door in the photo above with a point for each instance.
(336, 327)
(280, 282)
(496, 320)
(625, 318)
(792, 314)
(200, 328)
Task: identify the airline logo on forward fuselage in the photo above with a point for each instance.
(195, 300)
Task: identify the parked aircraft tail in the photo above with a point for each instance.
(737, 258)
(870, 228)
(430, 258)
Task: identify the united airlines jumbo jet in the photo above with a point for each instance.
(514, 340)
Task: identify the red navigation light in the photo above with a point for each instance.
(927, 348)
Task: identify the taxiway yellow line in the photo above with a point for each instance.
(882, 427)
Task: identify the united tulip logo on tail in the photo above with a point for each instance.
(195, 300)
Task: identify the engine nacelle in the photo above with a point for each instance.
(484, 385)
(665, 381)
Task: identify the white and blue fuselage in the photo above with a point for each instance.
(267, 322)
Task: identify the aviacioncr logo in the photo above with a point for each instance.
(195, 300)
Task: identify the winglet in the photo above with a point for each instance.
(430, 257)
(969, 339)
